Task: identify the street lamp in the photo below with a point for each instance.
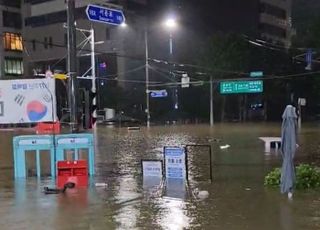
(171, 24)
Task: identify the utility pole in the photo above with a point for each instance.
(147, 78)
(72, 66)
(93, 75)
(211, 101)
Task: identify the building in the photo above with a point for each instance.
(275, 22)
(11, 54)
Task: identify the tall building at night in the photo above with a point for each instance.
(275, 21)
(11, 46)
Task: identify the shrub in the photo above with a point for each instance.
(307, 177)
(272, 179)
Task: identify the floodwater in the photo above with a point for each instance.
(237, 198)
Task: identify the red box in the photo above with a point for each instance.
(72, 171)
(48, 128)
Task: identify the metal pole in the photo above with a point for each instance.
(211, 101)
(93, 75)
(72, 66)
(176, 101)
(299, 116)
(147, 78)
(171, 45)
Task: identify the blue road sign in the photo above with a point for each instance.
(105, 15)
(159, 93)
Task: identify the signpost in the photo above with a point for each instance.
(159, 93)
(175, 163)
(232, 87)
(105, 15)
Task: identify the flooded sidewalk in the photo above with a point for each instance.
(237, 198)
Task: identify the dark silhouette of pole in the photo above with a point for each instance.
(72, 66)
(147, 77)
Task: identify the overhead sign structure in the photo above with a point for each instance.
(27, 101)
(232, 87)
(175, 162)
(256, 74)
(159, 93)
(105, 15)
(152, 168)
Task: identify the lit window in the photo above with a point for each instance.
(13, 42)
(13, 66)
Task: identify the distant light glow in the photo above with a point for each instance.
(123, 25)
(170, 23)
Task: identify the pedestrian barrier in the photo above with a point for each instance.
(48, 128)
(22, 145)
(72, 171)
(74, 143)
(57, 145)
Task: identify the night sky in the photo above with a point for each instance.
(208, 16)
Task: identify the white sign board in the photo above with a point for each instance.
(27, 100)
(185, 80)
(152, 168)
(302, 101)
(175, 162)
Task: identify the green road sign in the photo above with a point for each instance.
(256, 74)
(229, 87)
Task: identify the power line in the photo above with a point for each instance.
(242, 79)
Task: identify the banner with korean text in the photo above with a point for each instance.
(27, 101)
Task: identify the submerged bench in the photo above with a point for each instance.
(268, 141)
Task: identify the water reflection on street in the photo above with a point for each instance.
(237, 198)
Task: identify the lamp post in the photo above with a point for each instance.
(171, 24)
(147, 78)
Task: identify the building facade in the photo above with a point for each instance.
(275, 21)
(11, 26)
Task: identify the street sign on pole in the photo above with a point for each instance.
(185, 80)
(159, 93)
(231, 87)
(105, 15)
(256, 74)
(309, 59)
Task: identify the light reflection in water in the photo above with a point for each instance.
(174, 205)
(127, 215)
(174, 214)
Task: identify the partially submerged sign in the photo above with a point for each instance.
(175, 162)
(27, 100)
(152, 168)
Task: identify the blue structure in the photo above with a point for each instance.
(75, 142)
(56, 145)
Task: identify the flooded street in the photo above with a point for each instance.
(237, 197)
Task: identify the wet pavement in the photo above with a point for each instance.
(237, 198)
